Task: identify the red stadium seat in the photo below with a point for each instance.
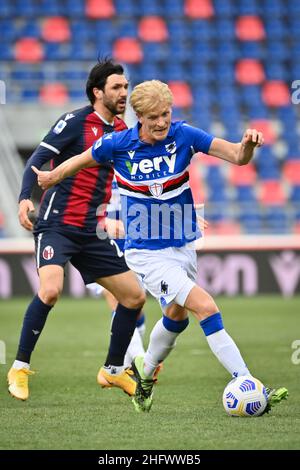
(208, 160)
(182, 94)
(291, 171)
(196, 183)
(296, 228)
(99, 8)
(242, 175)
(199, 8)
(128, 50)
(29, 50)
(153, 29)
(266, 127)
(250, 28)
(54, 94)
(271, 193)
(276, 93)
(56, 29)
(249, 72)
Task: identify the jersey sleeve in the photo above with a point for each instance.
(102, 150)
(198, 139)
(64, 131)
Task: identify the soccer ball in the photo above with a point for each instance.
(245, 396)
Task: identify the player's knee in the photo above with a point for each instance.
(207, 309)
(50, 294)
(135, 300)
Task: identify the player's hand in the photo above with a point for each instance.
(252, 138)
(114, 228)
(26, 212)
(202, 223)
(45, 179)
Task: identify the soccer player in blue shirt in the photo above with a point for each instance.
(151, 166)
(66, 226)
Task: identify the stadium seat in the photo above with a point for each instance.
(182, 95)
(153, 29)
(291, 171)
(127, 9)
(249, 28)
(146, 8)
(226, 227)
(266, 127)
(25, 8)
(128, 50)
(248, 7)
(196, 9)
(173, 8)
(55, 29)
(245, 195)
(249, 72)
(99, 9)
(29, 50)
(242, 175)
(54, 94)
(173, 71)
(49, 8)
(271, 193)
(295, 194)
(77, 7)
(276, 220)
(275, 93)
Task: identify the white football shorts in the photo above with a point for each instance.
(169, 274)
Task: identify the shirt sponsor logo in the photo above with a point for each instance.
(147, 166)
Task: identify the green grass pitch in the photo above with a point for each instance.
(68, 410)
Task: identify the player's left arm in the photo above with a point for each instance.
(47, 179)
(241, 153)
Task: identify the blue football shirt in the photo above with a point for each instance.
(157, 204)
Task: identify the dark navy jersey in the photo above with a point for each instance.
(75, 200)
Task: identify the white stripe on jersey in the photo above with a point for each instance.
(164, 196)
(38, 251)
(49, 206)
(50, 147)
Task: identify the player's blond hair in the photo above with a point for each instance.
(150, 95)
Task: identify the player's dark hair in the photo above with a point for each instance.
(99, 74)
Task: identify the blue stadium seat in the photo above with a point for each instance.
(276, 71)
(225, 9)
(202, 31)
(276, 28)
(6, 9)
(276, 220)
(57, 51)
(147, 8)
(75, 8)
(274, 8)
(6, 51)
(127, 28)
(225, 73)
(30, 29)
(9, 30)
(104, 30)
(174, 71)
(181, 50)
(157, 52)
(178, 30)
(50, 8)
(200, 73)
(25, 8)
(225, 29)
(81, 31)
(245, 194)
(227, 51)
(295, 194)
(128, 8)
(248, 7)
(277, 50)
(173, 8)
(252, 50)
(251, 219)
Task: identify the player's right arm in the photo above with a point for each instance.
(100, 152)
(47, 179)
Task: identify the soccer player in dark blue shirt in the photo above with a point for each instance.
(69, 227)
(151, 166)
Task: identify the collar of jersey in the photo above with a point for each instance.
(135, 132)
